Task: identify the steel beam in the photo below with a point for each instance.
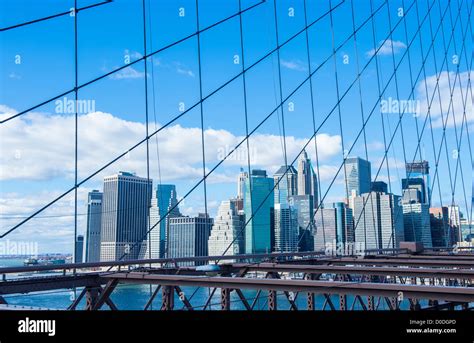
(167, 298)
(460, 294)
(92, 294)
(225, 299)
(360, 270)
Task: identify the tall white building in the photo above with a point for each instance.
(378, 225)
(153, 246)
(241, 183)
(454, 216)
(125, 205)
(227, 231)
(286, 228)
(94, 218)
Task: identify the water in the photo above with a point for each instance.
(135, 297)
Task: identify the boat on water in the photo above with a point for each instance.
(43, 262)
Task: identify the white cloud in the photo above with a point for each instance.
(375, 145)
(386, 48)
(127, 73)
(135, 55)
(445, 92)
(177, 66)
(182, 69)
(296, 65)
(14, 76)
(41, 147)
(53, 229)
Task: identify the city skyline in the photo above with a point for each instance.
(410, 217)
(120, 120)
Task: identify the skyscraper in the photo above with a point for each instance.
(440, 228)
(188, 237)
(259, 202)
(286, 228)
(153, 240)
(288, 185)
(409, 186)
(416, 220)
(303, 205)
(420, 170)
(307, 181)
(94, 219)
(78, 249)
(334, 227)
(379, 186)
(227, 234)
(379, 224)
(126, 202)
(167, 198)
(241, 183)
(358, 173)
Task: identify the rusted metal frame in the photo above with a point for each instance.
(105, 293)
(91, 297)
(370, 303)
(183, 298)
(342, 297)
(298, 293)
(272, 300)
(272, 294)
(225, 299)
(310, 301)
(343, 302)
(167, 301)
(329, 287)
(152, 297)
(293, 305)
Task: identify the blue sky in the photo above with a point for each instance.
(37, 159)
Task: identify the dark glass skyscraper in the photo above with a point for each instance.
(259, 202)
(78, 249)
(420, 170)
(94, 219)
(334, 226)
(166, 198)
(358, 173)
(307, 181)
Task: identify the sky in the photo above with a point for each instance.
(37, 157)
